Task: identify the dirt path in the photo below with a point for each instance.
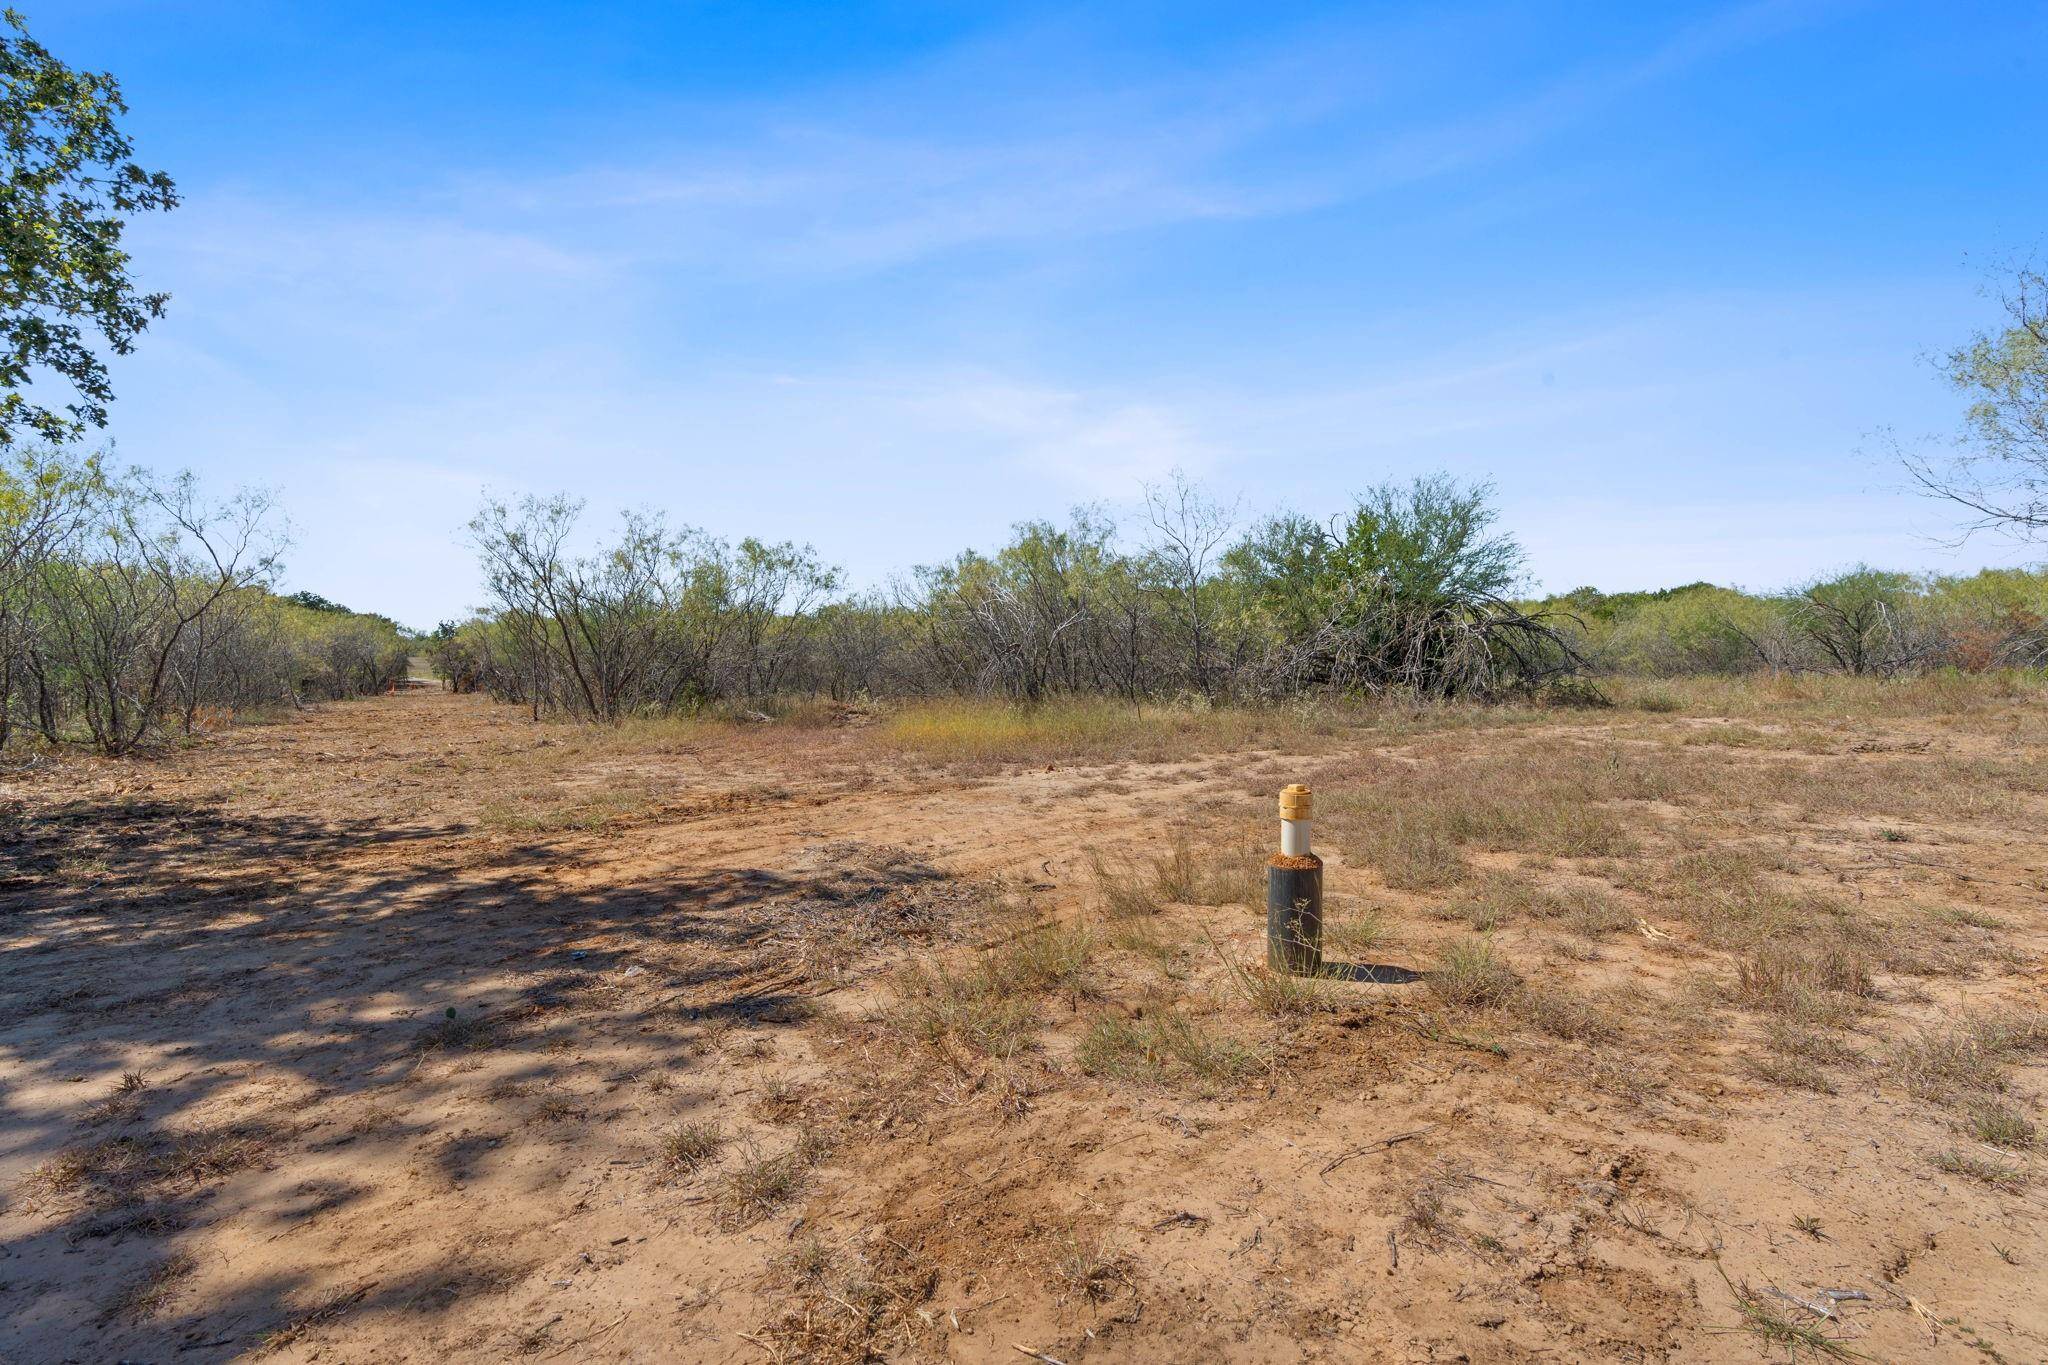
(422, 1001)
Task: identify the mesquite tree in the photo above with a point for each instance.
(1997, 468)
(157, 563)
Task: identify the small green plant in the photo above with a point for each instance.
(453, 1033)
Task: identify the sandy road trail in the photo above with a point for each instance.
(417, 997)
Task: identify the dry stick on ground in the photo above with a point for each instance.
(1817, 1309)
(1037, 1355)
(585, 1341)
(1182, 1219)
(1379, 1145)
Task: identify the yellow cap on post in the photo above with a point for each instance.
(1295, 802)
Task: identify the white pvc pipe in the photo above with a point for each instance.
(1294, 838)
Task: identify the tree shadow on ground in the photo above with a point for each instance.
(265, 967)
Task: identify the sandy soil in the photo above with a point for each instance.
(408, 1041)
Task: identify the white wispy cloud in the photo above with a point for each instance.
(835, 184)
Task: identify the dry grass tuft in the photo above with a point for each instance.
(2001, 1125)
(861, 900)
(1966, 1060)
(1212, 872)
(1164, 1047)
(687, 1148)
(124, 1170)
(1416, 823)
(146, 1296)
(1358, 936)
(979, 731)
(1732, 897)
(1594, 914)
(1505, 897)
(1429, 1216)
(1087, 1270)
(543, 812)
(123, 1104)
(1810, 983)
(1827, 696)
(1124, 889)
(1414, 855)
(945, 1008)
(1984, 1169)
(556, 1109)
(1794, 1073)
(1283, 995)
(1573, 1018)
(759, 1185)
(1795, 1039)
(1472, 974)
(1209, 872)
(987, 1007)
(853, 1306)
(1055, 958)
(1096, 728)
(1143, 939)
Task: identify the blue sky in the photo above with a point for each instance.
(888, 278)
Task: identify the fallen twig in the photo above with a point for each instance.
(1037, 1355)
(1378, 1145)
(1817, 1309)
(1182, 1219)
(585, 1341)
